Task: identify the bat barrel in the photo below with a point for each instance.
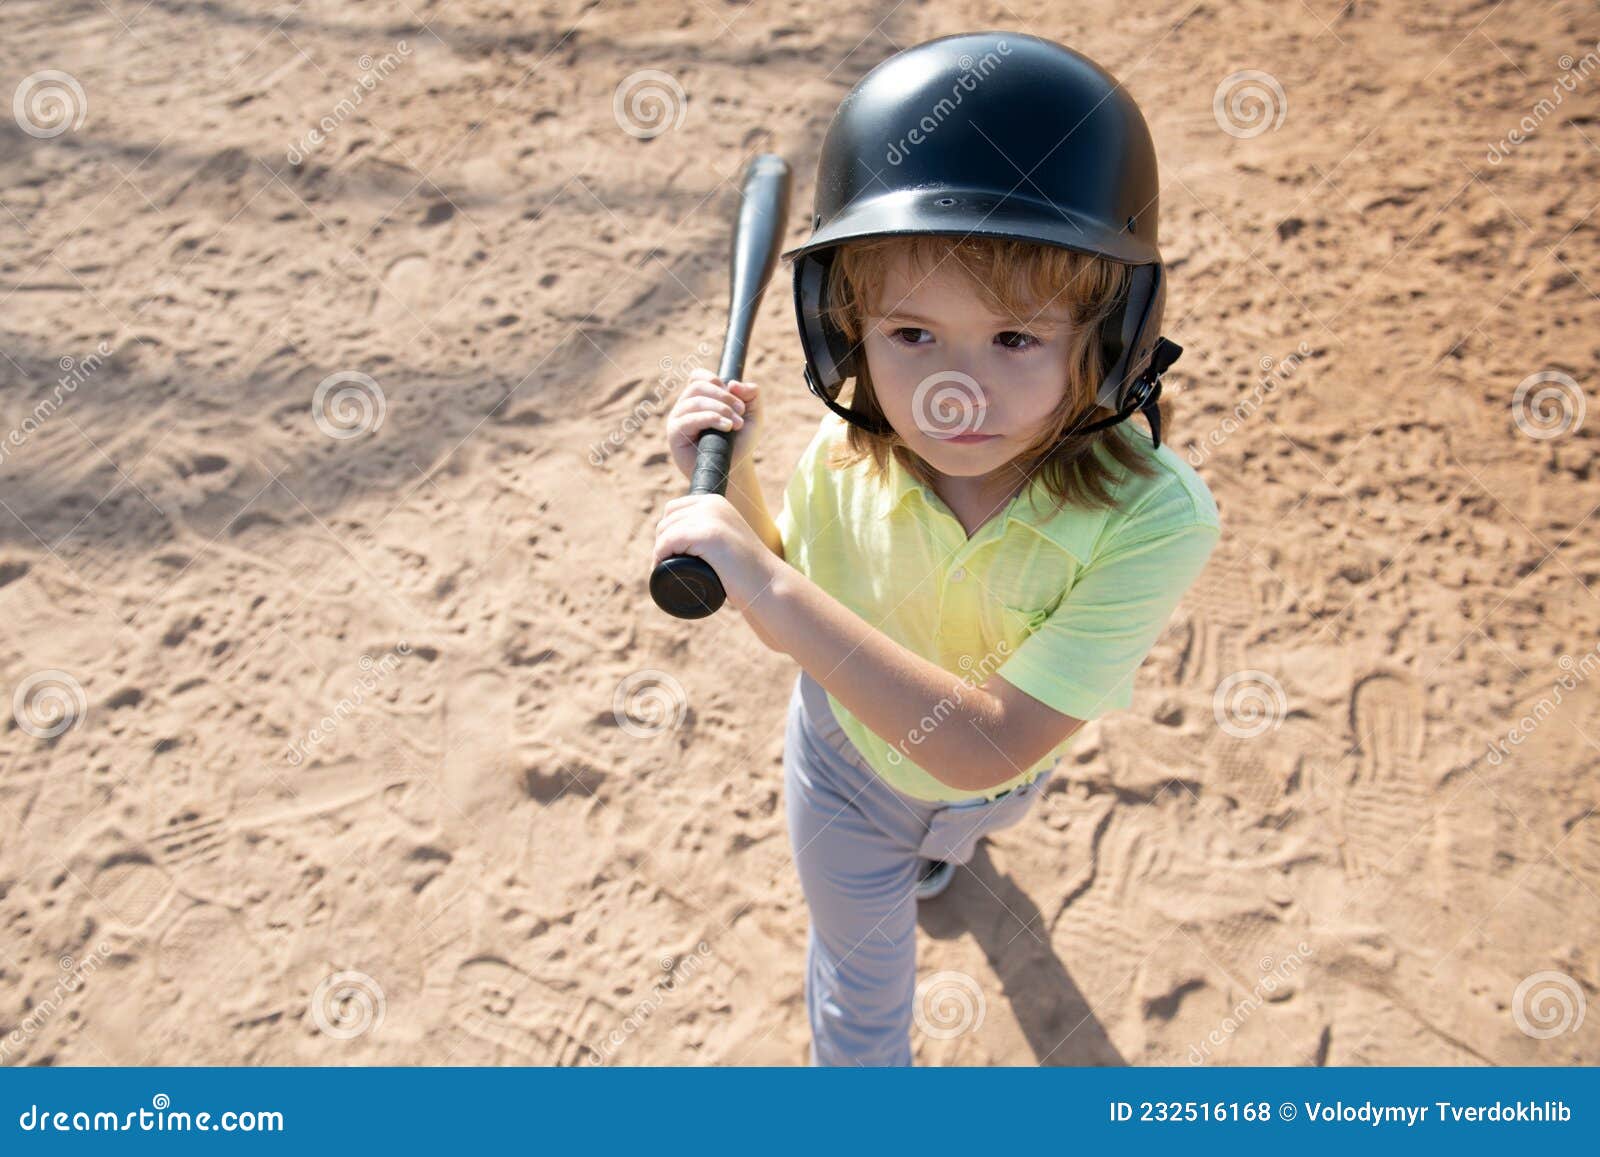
(685, 585)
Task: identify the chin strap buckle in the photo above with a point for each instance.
(1147, 390)
(1144, 395)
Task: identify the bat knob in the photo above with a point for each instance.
(686, 587)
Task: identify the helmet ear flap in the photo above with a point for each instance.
(1129, 334)
(829, 358)
(833, 360)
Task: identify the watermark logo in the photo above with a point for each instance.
(649, 702)
(348, 1004)
(677, 972)
(1249, 703)
(49, 703)
(1249, 103)
(73, 973)
(1574, 672)
(975, 672)
(348, 404)
(373, 672)
(1275, 976)
(1573, 74)
(49, 103)
(648, 103)
(948, 1004)
(373, 73)
(973, 72)
(1547, 1004)
(1548, 404)
(947, 404)
(74, 372)
(1274, 373)
(674, 374)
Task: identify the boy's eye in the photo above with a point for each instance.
(1028, 340)
(907, 334)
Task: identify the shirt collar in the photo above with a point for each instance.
(1073, 529)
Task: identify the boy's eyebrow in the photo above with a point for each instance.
(1040, 322)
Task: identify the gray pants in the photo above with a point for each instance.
(858, 845)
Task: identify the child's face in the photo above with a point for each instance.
(966, 390)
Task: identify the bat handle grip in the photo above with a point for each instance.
(684, 585)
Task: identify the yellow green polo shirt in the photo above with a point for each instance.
(1064, 605)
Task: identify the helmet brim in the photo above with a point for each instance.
(953, 212)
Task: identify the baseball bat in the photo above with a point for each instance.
(685, 585)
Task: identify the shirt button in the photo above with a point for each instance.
(958, 574)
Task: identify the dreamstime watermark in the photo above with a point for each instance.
(649, 702)
(678, 971)
(373, 73)
(348, 1004)
(47, 104)
(374, 671)
(348, 404)
(648, 103)
(1249, 703)
(49, 703)
(72, 975)
(1547, 1004)
(1548, 404)
(1274, 975)
(74, 372)
(948, 1004)
(974, 673)
(1249, 103)
(1575, 671)
(948, 404)
(1573, 74)
(972, 72)
(673, 376)
(1274, 372)
(156, 1119)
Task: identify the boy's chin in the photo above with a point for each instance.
(965, 461)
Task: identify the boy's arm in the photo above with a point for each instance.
(744, 491)
(896, 692)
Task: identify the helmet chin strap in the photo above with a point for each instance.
(1145, 394)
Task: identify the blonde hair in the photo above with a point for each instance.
(1017, 279)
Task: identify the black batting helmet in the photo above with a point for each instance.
(997, 134)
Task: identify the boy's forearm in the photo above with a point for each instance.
(744, 491)
(937, 720)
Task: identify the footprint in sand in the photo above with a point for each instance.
(1251, 772)
(132, 889)
(1384, 815)
(1267, 774)
(1224, 609)
(189, 839)
(407, 291)
(499, 1003)
(1253, 944)
(1097, 936)
(1103, 925)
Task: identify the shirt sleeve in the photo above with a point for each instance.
(1082, 659)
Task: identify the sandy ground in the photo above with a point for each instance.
(344, 735)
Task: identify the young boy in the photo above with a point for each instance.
(976, 555)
